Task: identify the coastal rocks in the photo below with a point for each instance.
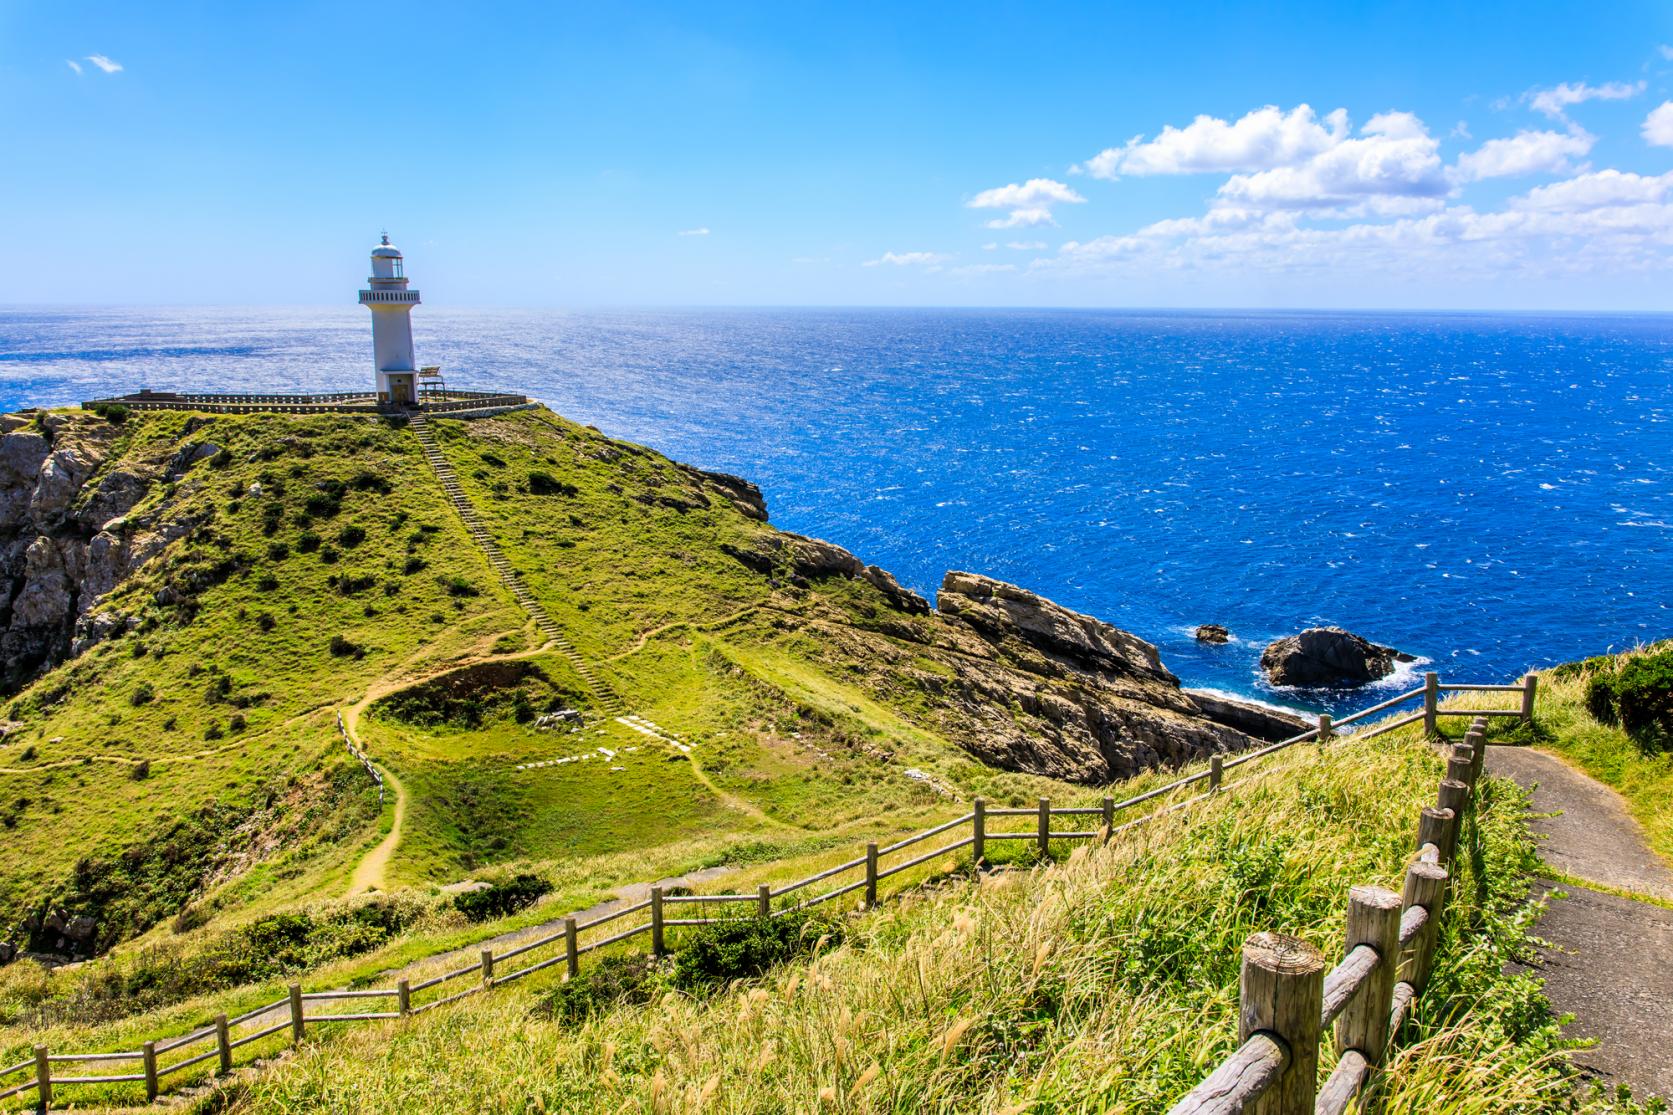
(1213, 634)
(904, 599)
(1002, 611)
(62, 535)
(746, 497)
(1260, 721)
(1328, 656)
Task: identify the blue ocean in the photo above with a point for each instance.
(1488, 492)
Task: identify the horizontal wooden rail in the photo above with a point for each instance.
(1387, 958)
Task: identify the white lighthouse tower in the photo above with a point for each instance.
(391, 304)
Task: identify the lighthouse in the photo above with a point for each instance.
(391, 304)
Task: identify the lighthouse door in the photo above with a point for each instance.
(400, 390)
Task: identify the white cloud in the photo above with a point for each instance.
(1526, 152)
(976, 270)
(1260, 140)
(73, 64)
(1026, 245)
(108, 65)
(1658, 126)
(1393, 158)
(991, 246)
(1552, 102)
(1666, 51)
(1030, 202)
(1599, 190)
(931, 260)
(694, 232)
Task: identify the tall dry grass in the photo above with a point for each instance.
(1104, 983)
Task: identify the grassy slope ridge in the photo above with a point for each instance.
(1104, 983)
(219, 706)
(194, 761)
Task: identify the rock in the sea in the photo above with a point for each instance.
(1327, 657)
(1213, 633)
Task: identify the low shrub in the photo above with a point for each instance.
(458, 586)
(1635, 693)
(499, 899)
(545, 484)
(343, 648)
(718, 954)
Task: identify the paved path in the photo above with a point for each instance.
(1610, 963)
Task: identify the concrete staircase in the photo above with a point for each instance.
(605, 699)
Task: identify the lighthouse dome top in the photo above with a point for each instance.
(386, 250)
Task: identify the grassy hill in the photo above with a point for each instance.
(178, 778)
(179, 770)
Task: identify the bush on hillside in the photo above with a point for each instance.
(545, 484)
(706, 961)
(1636, 693)
(499, 899)
(718, 954)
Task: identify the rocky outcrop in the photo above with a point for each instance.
(1260, 721)
(1322, 657)
(63, 539)
(1026, 684)
(1213, 634)
(746, 497)
(1081, 643)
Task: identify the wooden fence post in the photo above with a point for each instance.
(1431, 701)
(296, 1020)
(1216, 771)
(403, 997)
(1435, 826)
(1325, 731)
(1373, 919)
(978, 831)
(487, 967)
(1426, 887)
(1460, 765)
(43, 1077)
(1043, 836)
(1282, 993)
(1529, 684)
(571, 948)
(656, 921)
(764, 900)
(1109, 818)
(871, 875)
(1477, 738)
(148, 1059)
(223, 1042)
(1454, 795)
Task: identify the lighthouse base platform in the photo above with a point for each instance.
(453, 404)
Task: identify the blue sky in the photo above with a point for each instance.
(1489, 155)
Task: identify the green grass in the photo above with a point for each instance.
(1104, 982)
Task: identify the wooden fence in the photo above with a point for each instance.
(464, 404)
(1276, 1044)
(1287, 999)
(348, 742)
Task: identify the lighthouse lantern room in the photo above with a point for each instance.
(391, 304)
